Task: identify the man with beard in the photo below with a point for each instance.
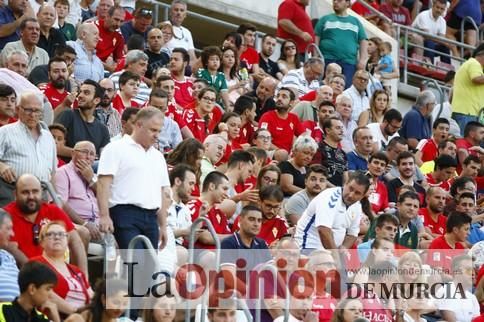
(26, 147)
(433, 219)
(383, 132)
(329, 154)
(282, 125)
(427, 149)
(49, 37)
(315, 182)
(105, 113)
(268, 67)
(358, 158)
(156, 57)
(111, 45)
(264, 95)
(184, 94)
(80, 123)
(326, 109)
(29, 38)
(55, 91)
(29, 213)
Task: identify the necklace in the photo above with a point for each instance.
(174, 33)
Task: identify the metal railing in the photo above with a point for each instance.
(462, 24)
(275, 274)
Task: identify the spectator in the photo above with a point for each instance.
(294, 23)
(18, 61)
(344, 109)
(156, 56)
(379, 105)
(306, 78)
(55, 91)
(75, 183)
(26, 147)
(332, 69)
(348, 310)
(102, 10)
(358, 158)
(239, 168)
(386, 68)
(29, 38)
(385, 228)
(282, 125)
(445, 166)
(182, 37)
(249, 56)
(315, 181)
(197, 119)
(105, 113)
(237, 84)
(293, 171)
(29, 214)
(36, 282)
(87, 14)
(467, 92)
(406, 171)
(427, 149)
(470, 143)
(340, 44)
(407, 210)
(246, 108)
(455, 15)
(373, 53)
(161, 308)
(59, 132)
(416, 123)
(72, 290)
(380, 250)
(127, 205)
(8, 267)
(179, 61)
(8, 102)
(308, 111)
(140, 25)
(80, 123)
(288, 58)
(229, 127)
(50, 37)
(111, 43)
(471, 167)
(264, 95)
(432, 216)
(326, 109)
(357, 94)
(12, 16)
(128, 89)
(268, 175)
(432, 21)
(337, 83)
(396, 146)
(62, 8)
(445, 147)
(137, 63)
(215, 146)
(332, 219)
(268, 67)
(378, 197)
(87, 65)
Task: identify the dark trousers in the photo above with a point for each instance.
(348, 70)
(130, 221)
(439, 47)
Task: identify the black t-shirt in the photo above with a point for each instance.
(56, 38)
(269, 105)
(297, 177)
(394, 186)
(269, 66)
(78, 130)
(334, 159)
(155, 61)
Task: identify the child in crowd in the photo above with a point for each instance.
(59, 133)
(128, 89)
(385, 64)
(62, 8)
(211, 57)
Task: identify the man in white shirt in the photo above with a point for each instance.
(182, 37)
(357, 93)
(383, 132)
(304, 79)
(432, 21)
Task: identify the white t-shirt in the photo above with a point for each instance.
(425, 21)
(138, 174)
(328, 209)
(182, 37)
(465, 309)
(378, 137)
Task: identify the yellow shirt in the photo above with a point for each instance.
(468, 98)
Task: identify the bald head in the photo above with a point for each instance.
(27, 180)
(28, 194)
(325, 93)
(266, 88)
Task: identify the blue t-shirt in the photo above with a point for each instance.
(128, 30)
(6, 16)
(386, 60)
(415, 126)
(356, 162)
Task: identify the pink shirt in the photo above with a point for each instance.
(73, 189)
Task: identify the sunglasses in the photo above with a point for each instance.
(145, 12)
(36, 233)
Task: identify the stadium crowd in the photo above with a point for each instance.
(302, 159)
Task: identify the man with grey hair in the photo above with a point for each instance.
(308, 111)
(416, 124)
(50, 37)
(17, 61)
(306, 78)
(26, 147)
(87, 65)
(136, 62)
(182, 37)
(215, 146)
(357, 93)
(8, 267)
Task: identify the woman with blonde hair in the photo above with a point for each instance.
(379, 105)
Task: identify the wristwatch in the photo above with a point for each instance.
(93, 181)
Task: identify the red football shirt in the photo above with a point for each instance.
(118, 104)
(379, 197)
(309, 96)
(24, 229)
(246, 134)
(110, 43)
(217, 218)
(431, 181)
(282, 130)
(196, 124)
(250, 56)
(440, 254)
(231, 147)
(465, 145)
(183, 92)
(436, 227)
(9, 121)
(429, 149)
(250, 183)
(54, 96)
(295, 12)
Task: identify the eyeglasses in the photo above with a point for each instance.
(145, 12)
(271, 207)
(31, 111)
(86, 152)
(36, 233)
(264, 137)
(209, 99)
(56, 234)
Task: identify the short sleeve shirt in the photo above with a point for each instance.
(282, 130)
(415, 126)
(217, 81)
(402, 16)
(111, 43)
(428, 148)
(436, 227)
(293, 10)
